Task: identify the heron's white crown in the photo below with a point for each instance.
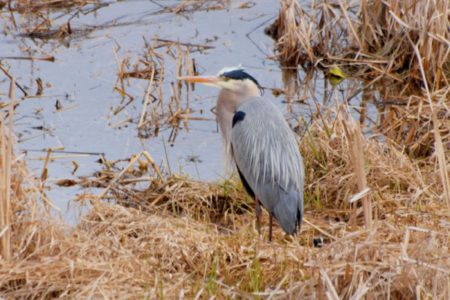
(230, 69)
(237, 79)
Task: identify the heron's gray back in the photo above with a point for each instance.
(266, 152)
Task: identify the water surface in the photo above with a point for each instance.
(82, 78)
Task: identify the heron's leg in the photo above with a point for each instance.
(258, 215)
(270, 227)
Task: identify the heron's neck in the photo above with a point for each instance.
(231, 100)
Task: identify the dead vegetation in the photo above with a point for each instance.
(382, 213)
(49, 19)
(400, 49)
(159, 110)
(183, 238)
(193, 5)
(186, 7)
(33, 6)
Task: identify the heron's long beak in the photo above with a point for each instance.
(208, 80)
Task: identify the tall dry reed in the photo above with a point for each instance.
(184, 238)
(6, 152)
(376, 41)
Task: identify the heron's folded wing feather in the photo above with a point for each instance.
(267, 155)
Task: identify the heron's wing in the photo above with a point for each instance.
(266, 153)
(287, 205)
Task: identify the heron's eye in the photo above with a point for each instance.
(225, 78)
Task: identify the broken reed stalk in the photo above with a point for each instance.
(120, 76)
(147, 156)
(44, 175)
(5, 196)
(189, 70)
(356, 150)
(344, 10)
(147, 100)
(331, 292)
(5, 205)
(12, 78)
(48, 58)
(178, 85)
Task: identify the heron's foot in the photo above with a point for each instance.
(258, 215)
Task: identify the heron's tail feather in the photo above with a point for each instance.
(288, 212)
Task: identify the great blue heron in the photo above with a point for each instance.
(261, 144)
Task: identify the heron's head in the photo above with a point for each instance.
(232, 79)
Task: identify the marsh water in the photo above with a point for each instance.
(74, 108)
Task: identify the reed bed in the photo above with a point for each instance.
(398, 48)
(180, 238)
(376, 215)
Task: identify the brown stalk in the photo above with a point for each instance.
(350, 24)
(439, 147)
(11, 78)
(147, 100)
(125, 170)
(49, 58)
(6, 160)
(356, 150)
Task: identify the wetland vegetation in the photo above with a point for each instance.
(365, 84)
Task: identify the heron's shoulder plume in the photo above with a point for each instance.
(238, 117)
(237, 73)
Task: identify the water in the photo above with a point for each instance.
(84, 74)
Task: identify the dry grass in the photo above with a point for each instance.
(376, 41)
(48, 19)
(374, 37)
(183, 238)
(381, 212)
(33, 6)
(5, 179)
(186, 7)
(189, 6)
